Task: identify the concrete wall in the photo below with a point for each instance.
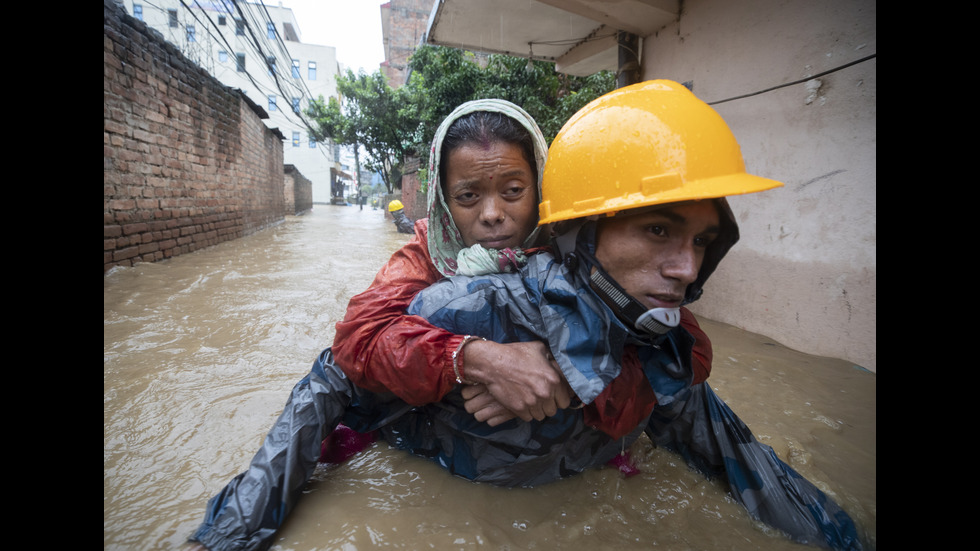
(415, 201)
(805, 271)
(188, 163)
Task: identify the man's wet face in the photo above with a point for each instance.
(655, 255)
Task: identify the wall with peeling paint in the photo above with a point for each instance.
(805, 271)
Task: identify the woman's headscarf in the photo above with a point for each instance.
(449, 254)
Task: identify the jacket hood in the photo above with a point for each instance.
(717, 250)
(445, 241)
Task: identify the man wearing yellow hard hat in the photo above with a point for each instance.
(635, 188)
(402, 221)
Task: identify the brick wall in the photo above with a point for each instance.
(298, 191)
(415, 201)
(404, 22)
(188, 163)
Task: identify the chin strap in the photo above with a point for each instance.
(655, 321)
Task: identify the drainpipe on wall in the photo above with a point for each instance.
(629, 59)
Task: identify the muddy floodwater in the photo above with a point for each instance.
(201, 351)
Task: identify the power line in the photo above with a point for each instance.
(795, 82)
(272, 56)
(249, 21)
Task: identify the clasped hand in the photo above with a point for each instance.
(513, 380)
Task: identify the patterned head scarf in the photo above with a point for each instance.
(449, 254)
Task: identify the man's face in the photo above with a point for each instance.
(491, 194)
(656, 254)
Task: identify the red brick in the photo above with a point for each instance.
(158, 138)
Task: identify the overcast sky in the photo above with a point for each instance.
(351, 26)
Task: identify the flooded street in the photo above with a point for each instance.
(201, 351)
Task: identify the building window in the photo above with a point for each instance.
(272, 64)
(295, 139)
(295, 68)
(138, 11)
(296, 105)
(239, 27)
(222, 56)
(222, 20)
(312, 71)
(191, 34)
(240, 63)
(312, 142)
(270, 28)
(172, 17)
(272, 102)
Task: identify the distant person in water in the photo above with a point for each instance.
(363, 193)
(402, 221)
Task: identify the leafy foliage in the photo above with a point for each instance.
(391, 124)
(370, 117)
(442, 78)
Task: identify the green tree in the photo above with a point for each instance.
(337, 123)
(390, 124)
(442, 78)
(372, 117)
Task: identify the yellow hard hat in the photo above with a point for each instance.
(646, 144)
(395, 205)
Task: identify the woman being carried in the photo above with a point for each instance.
(487, 160)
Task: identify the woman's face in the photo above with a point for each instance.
(491, 193)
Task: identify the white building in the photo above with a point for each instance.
(259, 50)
